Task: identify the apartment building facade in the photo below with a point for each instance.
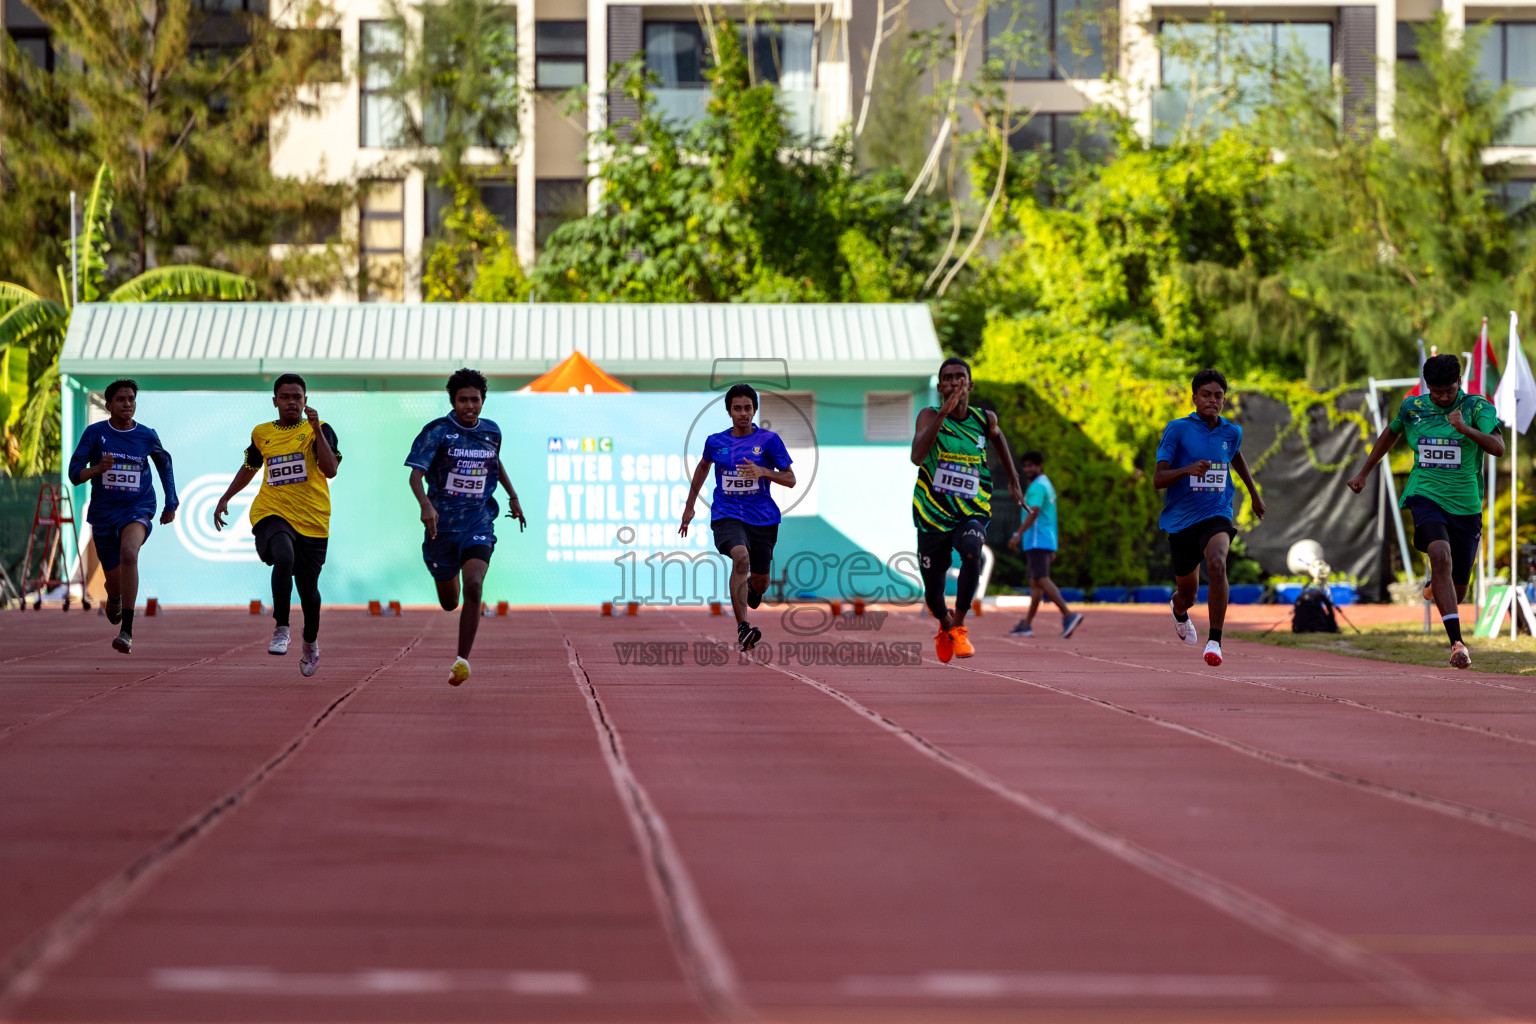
(819, 56)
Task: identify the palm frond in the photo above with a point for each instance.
(184, 282)
(93, 244)
(38, 425)
(23, 324)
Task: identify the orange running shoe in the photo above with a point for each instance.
(961, 639)
(943, 646)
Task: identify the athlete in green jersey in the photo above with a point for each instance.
(1449, 430)
(952, 499)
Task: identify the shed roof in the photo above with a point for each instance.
(237, 338)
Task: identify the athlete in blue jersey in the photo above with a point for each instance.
(1195, 462)
(459, 455)
(745, 518)
(114, 456)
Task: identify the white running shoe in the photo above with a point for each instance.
(279, 644)
(309, 661)
(1212, 653)
(459, 674)
(1460, 656)
(1186, 629)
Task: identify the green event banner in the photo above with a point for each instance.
(602, 480)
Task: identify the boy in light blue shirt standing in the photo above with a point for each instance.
(1036, 537)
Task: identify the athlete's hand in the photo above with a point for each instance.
(219, 513)
(167, 516)
(953, 401)
(1199, 468)
(1259, 508)
(429, 519)
(1017, 493)
(751, 470)
(103, 464)
(1356, 483)
(682, 531)
(1457, 423)
(1014, 541)
(313, 417)
(515, 511)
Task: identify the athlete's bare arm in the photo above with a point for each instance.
(995, 432)
(243, 476)
(514, 507)
(1241, 465)
(1164, 477)
(1493, 444)
(699, 473)
(324, 457)
(428, 512)
(929, 422)
(1379, 451)
(752, 471)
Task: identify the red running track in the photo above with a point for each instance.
(1101, 829)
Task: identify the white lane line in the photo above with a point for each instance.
(701, 953)
(1438, 805)
(1249, 909)
(993, 985)
(367, 982)
(24, 971)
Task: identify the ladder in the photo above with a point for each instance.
(55, 511)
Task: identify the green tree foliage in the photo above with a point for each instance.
(735, 208)
(473, 259)
(32, 328)
(161, 93)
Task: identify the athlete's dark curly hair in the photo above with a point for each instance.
(289, 378)
(1442, 371)
(741, 391)
(118, 385)
(1205, 377)
(954, 361)
(466, 378)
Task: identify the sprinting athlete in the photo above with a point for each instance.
(1448, 430)
(1195, 462)
(459, 455)
(296, 455)
(952, 499)
(747, 460)
(1036, 538)
(114, 456)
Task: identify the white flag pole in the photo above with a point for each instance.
(1514, 463)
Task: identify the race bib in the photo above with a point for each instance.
(1439, 453)
(734, 483)
(286, 469)
(123, 476)
(466, 482)
(1213, 479)
(961, 481)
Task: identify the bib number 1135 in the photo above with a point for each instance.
(1213, 479)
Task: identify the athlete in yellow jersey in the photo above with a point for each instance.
(291, 516)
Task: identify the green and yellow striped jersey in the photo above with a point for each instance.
(954, 483)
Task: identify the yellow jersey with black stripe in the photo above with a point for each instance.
(954, 483)
(292, 485)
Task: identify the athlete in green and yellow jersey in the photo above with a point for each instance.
(952, 500)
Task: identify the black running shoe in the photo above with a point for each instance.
(747, 636)
(753, 598)
(114, 610)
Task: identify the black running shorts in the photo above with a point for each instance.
(1188, 545)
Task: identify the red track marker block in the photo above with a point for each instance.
(858, 606)
(837, 607)
(632, 608)
(394, 607)
(152, 606)
(975, 606)
(715, 609)
(255, 607)
(607, 607)
(374, 608)
(501, 609)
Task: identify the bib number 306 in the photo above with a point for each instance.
(1439, 453)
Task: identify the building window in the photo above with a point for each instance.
(1216, 73)
(791, 415)
(559, 54)
(1408, 42)
(35, 44)
(887, 416)
(1060, 133)
(1509, 58)
(556, 201)
(1514, 196)
(1035, 39)
(380, 52)
(497, 195)
(782, 54)
(674, 51)
(382, 242)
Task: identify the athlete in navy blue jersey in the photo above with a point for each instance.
(459, 455)
(746, 459)
(114, 455)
